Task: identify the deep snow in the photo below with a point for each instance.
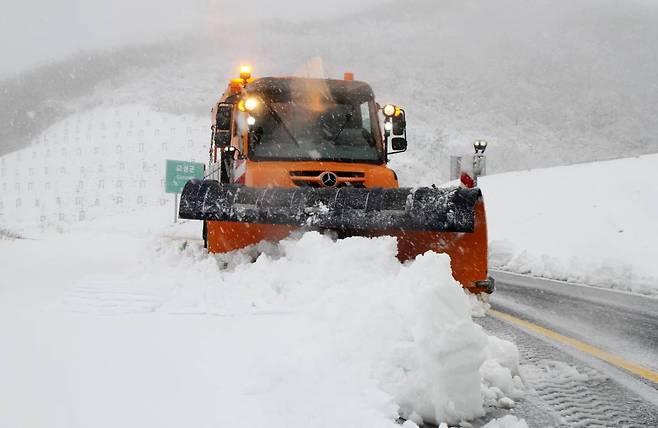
(110, 305)
(591, 223)
(110, 320)
(123, 322)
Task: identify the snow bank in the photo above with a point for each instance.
(311, 332)
(591, 223)
(500, 374)
(408, 325)
(412, 323)
(507, 421)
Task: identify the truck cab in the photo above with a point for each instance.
(291, 131)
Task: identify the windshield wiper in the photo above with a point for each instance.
(280, 121)
(348, 116)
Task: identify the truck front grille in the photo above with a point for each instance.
(314, 178)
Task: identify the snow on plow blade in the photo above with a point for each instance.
(347, 208)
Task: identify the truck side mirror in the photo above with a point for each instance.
(222, 138)
(399, 144)
(396, 127)
(399, 124)
(223, 119)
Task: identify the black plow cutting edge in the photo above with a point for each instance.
(422, 208)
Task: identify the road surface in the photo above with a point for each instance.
(588, 355)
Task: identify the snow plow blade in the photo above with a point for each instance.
(346, 209)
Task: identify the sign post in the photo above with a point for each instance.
(175, 207)
(177, 174)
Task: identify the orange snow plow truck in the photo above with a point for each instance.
(296, 153)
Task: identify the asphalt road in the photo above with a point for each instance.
(621, 323)
(542, 317)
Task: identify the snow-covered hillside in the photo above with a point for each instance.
(546, 85)
(107, 160)
(592, 223)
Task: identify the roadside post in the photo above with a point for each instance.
(177, 174)
(468, 172)
(456, 166)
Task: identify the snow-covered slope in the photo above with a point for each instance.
(109, 159)
(547, 85)
(592, 223)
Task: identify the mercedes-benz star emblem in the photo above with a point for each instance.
(328, 179)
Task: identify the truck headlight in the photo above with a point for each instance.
(251, 103)
(389, 110)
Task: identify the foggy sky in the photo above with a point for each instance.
(35, 31)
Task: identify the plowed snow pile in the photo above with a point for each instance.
(593, 223)
(315, 332)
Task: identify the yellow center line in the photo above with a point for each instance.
(582, 346)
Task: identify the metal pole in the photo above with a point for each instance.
(175, 207)
(479, 166)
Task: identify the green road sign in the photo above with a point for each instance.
(179, 172)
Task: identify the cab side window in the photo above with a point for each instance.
(365, 116)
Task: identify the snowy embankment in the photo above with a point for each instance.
(133, 325)
(106, 160)
(591, 223)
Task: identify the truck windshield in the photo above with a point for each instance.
(310, 131)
